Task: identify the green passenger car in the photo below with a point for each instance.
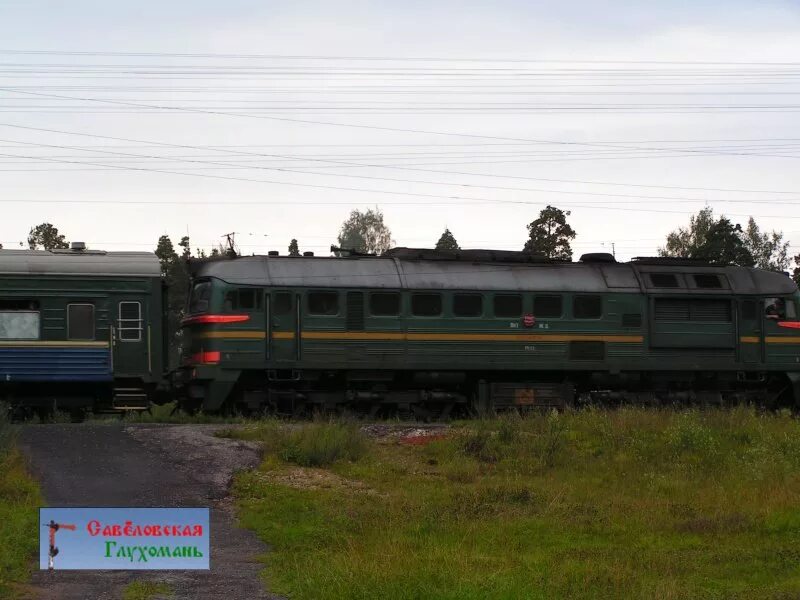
(431, 333)
(80, 329)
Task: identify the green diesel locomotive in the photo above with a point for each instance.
(428, 333)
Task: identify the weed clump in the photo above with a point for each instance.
(322, 444)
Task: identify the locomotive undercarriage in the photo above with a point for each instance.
(433, 395)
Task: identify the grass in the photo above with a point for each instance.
(630, 503)
(20, 500)
(146, 590)
(317, 444)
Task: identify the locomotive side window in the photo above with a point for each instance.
(130, 321)
(384, 304)
(200, 298)
(80, 321)
(323, 303)
(426, 305)
(467, 305)
(587, 307)
(282, 304)
(507, 305)
(779, 308)
(549, 307)
(19, 319)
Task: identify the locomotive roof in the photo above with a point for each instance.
(94, 263)
(396, 273)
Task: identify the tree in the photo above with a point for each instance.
(684, 242)
(721, 241)
(175, 273)
(769, 251)
(550, 234)
(447, 242)
(365, 232)
(724, 245)
(46, 236)
(294, 249)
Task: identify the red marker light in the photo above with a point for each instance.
(206, 358)
(209, 319)
(789, 324)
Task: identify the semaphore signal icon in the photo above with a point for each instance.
(54, 527)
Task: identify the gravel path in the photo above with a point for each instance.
(147, 465)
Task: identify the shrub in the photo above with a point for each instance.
(322, 444)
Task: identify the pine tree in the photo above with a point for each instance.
(447, 241)
(294, 249)
(550, 234)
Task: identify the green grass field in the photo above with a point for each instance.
(629, 503)
(19, 515)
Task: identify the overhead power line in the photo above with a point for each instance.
(399, 180)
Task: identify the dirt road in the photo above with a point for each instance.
(147, 465)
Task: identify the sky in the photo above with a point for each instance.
(124, 121)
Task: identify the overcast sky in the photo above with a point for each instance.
(630, 114)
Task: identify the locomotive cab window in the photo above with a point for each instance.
(129, 324)
(384, 304)
(246, 299)
(80, 322)
(587, 307)
(323, 303)
(779, 308)
(548, 307)
(426, 305)
(19, 319)
(467, 305)
(507, 305)
(200, 298)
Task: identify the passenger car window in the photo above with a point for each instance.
(587, 307)
(547, 306)
(467, 305)
(426, 305)
(323, 303)
(129, 324)
(384, 304)
(507, 305)
(19, 319)
(80, 321)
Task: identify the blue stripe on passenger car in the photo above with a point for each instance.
(55, 364)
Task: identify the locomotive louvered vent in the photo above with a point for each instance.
(632, 320)
(587, 350)
(355, 311)
(705, 309)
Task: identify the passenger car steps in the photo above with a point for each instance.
(130, 399)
